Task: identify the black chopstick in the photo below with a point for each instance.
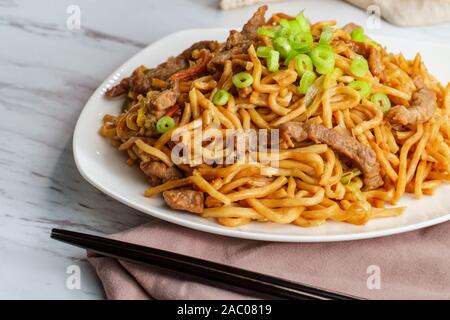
(240, 278)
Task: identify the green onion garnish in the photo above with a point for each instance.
(306, 81)
(323, 58)
(363, 87)
(273, 61)
(284, 23)
(302, 41)
(303, 63)
(266, 32)
(358, 35)
(381, 101)
(303, 22)
(290, 56)
(165, 124)
(359, 66)
(294, 26)
(349, 175)
(282, 45)
(221, 97)
(327, 35)
(263, 51)
(242, 80)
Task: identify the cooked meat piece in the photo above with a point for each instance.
(349, 27)
(186, 200)
(294, 131)
(418, 82)
(238, 42)
(160, 170)
(165, 70)
(165, 98)
(360, 48)
(376, 65)
(423, 107)
(250, 29)
(363, 156)
(141, 80)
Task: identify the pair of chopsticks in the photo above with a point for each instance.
(219, 274)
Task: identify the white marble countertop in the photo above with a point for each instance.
(47, 73)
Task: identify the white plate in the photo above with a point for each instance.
(105, 168)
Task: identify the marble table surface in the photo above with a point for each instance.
(47, 73)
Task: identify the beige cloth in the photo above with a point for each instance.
(413, 265)
(409, 12)
(399, 12)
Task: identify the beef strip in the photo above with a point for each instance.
(376, 64)
(363, 156)
(159, 170)
(166, 98)
(186, 200)
(141, 80)
(368, 51)
(239, 42)
(349, 27)
(423, 106)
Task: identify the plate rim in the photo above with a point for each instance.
(220, 230)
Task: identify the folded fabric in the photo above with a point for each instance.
(399, 12)
(409, 12)
(413, 265)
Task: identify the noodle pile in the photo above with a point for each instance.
(312, 182)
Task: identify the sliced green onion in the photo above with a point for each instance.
(358, 35)
(263, 51)
(303, 22)
(273, 61)
(363, 87)
(221, 97)
(242, 80)
(323, 58)
(294, 26)
(301, 41)
(290, 56)
(327, 35)
(306, 81)
(359, 66)
(266, 32)
(165, 124)
(303, 63)
(349, 175)
(282, 45)
(381, 101)
(284, 23)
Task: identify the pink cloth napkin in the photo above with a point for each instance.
(413, 265)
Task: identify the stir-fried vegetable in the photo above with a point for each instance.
(326, 35)
(306, 81)
(358, 35)
(381, 101)
(363, 87)
(242, 80)
(303, 63)
(359, 66)
(221, 97)
(323, 59)
(165, 124)
(349, 175)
